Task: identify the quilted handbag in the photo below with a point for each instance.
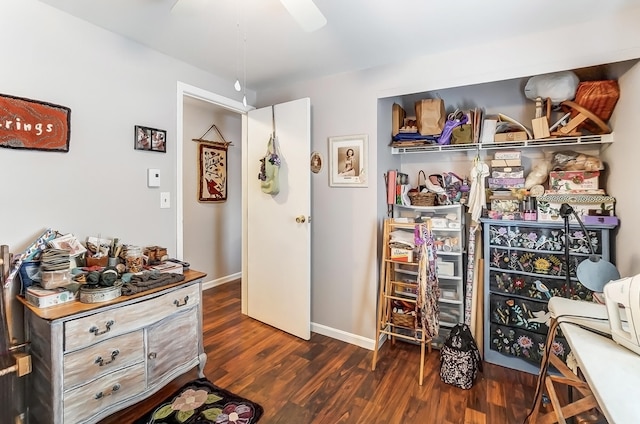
(460, 358)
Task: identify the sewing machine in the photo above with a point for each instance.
(622, 298)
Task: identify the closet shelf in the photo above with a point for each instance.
(547, 142)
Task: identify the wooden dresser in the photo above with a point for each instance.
(90, 360)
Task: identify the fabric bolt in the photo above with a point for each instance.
(471, 254)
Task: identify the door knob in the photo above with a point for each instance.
(300, 219)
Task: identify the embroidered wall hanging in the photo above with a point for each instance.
(34, 125)
(212, 166)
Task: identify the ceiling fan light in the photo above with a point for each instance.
(306, 13)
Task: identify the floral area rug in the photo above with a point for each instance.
(202, 402)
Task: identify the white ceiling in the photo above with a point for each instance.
(359, 34)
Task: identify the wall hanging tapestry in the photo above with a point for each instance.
(200, 401)
(212, 166)
(34, 125)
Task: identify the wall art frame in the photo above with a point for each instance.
(150, 139)
(348, 161)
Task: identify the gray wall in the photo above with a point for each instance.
(110, 84)
(346, 221)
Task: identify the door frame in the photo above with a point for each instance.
(186, 90)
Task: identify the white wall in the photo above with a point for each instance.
(345, 265)
(110, 84)
(212, 230)
(622, 158)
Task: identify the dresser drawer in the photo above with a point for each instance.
(104, 325)
(536, 287)
(524, 344)
(547, 239)
(541, 263)
(516, 312)
(104, 357)
(82, 402)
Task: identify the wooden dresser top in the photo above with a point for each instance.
(75, 307)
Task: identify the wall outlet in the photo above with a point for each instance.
(153, 177)
(165, 200)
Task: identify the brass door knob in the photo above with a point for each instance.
(301, 219)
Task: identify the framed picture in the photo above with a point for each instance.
(212, 165)
(316, 162)
(151, 139)
(348, 161)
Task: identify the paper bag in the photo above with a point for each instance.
(430, 116)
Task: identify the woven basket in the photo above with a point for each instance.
(422, 199)
(599, 98)
(403, 320)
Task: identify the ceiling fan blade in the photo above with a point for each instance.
(306, 13)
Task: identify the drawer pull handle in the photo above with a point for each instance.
(102, 362)
(101, 395)
(97, 332)
(152, 355)
(184, 302)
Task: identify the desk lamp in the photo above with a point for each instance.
(593, 272)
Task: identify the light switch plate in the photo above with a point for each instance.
(165, 200)
(153, 177)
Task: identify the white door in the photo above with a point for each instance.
(278, 260)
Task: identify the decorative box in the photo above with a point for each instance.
(507, 154)
(507, 172)
(564, 181)
(505, 205)
(497, 163)
(42, 298)
(600, 220)
(495, 183)
(549, 205)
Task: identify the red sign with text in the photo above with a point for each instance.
(34, 125)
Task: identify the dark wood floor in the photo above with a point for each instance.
(327, 381)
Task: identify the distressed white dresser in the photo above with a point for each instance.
(90, 360)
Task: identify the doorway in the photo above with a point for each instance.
(209, 234)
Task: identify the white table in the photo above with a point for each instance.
(611, 371)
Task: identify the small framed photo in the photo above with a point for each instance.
(348, 161)
(316, 162)
(151, 139)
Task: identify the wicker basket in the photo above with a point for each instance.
(422, 199)
(403, 320)
(599, 98)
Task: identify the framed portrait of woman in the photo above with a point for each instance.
(348, 161)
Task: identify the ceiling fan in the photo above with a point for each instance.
(304, 12)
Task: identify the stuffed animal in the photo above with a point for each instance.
(538, 175)
(574, 161)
